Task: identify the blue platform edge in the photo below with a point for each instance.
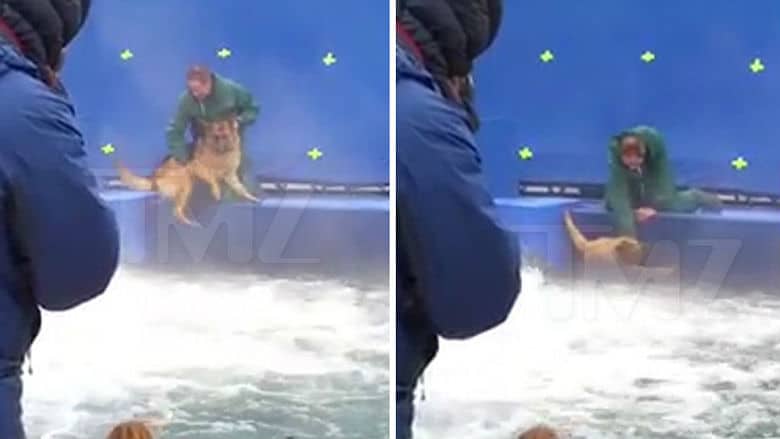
(737, 249)
(344, 236)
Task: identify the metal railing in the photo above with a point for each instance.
(270, 185)
(595, 191)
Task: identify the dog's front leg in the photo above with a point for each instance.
(234, 183)
(216, 191)
(181, 203)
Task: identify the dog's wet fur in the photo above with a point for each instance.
(622, 249)
(614, 257)
(216, 159)
(540, 432)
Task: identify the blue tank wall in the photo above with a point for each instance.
(699, 91)
(277, 51)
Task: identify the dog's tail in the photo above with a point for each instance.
(133, 181)
(579, 240)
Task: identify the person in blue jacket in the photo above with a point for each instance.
(60, 244)
(457, 266)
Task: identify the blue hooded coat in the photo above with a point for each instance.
(457, 267)
(59, 241)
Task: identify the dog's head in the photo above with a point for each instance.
(222, 134)
(540, 432)
(131, 430)
(629, 251)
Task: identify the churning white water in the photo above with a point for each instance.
(611, 362)
(215, 356)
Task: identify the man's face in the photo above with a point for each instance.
(632, 154)
(199, 89)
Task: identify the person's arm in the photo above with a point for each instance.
(465, 262)
(175, 132)
(662, 182)
(246, 107)
(619, 202)
(65, 234)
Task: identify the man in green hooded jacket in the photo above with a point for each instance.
(210, 97)
(641, 181)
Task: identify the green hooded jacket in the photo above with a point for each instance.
(227, 97)
(654, 187)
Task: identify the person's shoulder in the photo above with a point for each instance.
(419, 103)
(225, 83)
(39, 126)
(185, 98)
(421, 109)
(185, 103)
(27, 101)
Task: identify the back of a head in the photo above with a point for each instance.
(455, 32)
(44, 27)
(539, 432)
(131, 430)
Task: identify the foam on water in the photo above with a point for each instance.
(217, 356)
(611, 362)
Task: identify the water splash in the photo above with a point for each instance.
(610, 362)
(216, 356)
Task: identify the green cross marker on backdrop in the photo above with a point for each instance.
(757, 66)
(126, 55)
(525, 153)
(329, 59)
(547, 56)
(108, 149)
(739, 163)
(314, 153)
(224, 53)
(648, 56)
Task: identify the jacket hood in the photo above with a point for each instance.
(12, 59)
(407, 66)
(651, 137)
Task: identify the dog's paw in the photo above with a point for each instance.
(195, 225)
(250, 197)
(188, 222)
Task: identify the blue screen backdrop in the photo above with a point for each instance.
(277, 51)
(699, 89)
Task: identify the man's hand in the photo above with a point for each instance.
(644, 213)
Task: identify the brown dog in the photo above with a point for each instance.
(609, 252)
(131, 430)
(539, 432)
(216, 159)
(605, 250)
